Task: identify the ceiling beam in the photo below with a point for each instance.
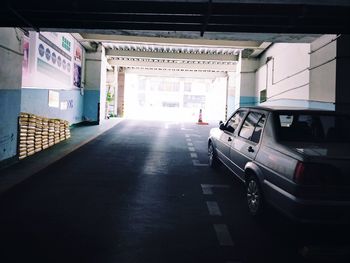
(176, 74)
(173, 66)
(170, 56)
(182, 42)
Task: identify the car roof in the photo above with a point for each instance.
(285, 108)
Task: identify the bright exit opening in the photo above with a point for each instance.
(174, 98)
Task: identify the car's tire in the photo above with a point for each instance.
(255, 198)
(212, 158)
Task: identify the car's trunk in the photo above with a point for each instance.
(330, 162)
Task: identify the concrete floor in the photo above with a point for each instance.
(141, 192)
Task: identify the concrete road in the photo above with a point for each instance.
(142, 192)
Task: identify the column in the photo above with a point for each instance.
(95, 87)
(342, 94)
(11, 56)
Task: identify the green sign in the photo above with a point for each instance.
(66, 44)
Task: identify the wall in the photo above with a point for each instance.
(36, 101)
(284, 73)
(10, 89)
(55, 63)
(323, 68)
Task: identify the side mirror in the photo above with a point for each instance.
(222, 126)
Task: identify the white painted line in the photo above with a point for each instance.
(197, 163)
(185, 129)
(191, 149)
(213, 208)
(215, 185)
(193, 135)
(190, 144)
(223, 235)
(194, 155)
(187, 136)
(207, 190)
(166, 126)
(188, 139)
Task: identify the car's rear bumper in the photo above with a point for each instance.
(302, 210)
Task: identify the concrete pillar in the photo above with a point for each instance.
(342, 94)
(95, 85)
(121, 86)
(11, 57)
(231, 92)
(245, 91)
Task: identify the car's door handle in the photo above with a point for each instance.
(250, 149)
(229, 139)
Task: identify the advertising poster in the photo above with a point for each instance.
(54, 99)
(77, 65)
(54, 60)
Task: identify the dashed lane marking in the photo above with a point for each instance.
(187, 135)
(197, 163)
(208, 188)
(223, 235)
(213, 208)
(194, 155)
(191, 149)
(188, 139)
(190, 144)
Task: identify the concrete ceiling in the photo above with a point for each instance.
(212, 19)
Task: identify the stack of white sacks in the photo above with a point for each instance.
(38, 133)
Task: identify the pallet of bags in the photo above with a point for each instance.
(62, 130)
(66, 129)
(38, 134)
(31, 135)
(51, 132)
(23, 130)
(57, 131)
(45, 133)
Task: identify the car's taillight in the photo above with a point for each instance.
(316, 174)
(299, 173)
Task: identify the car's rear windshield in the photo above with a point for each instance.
(312, 127)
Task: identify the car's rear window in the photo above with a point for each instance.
(313, 127)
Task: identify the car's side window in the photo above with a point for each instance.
(258, 129)
(252, 127)
(235, 120)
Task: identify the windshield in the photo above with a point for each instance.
(313, 127)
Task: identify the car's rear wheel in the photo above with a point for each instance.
(255, 198)
(212, 158)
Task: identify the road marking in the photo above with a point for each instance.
(186, 129)
(194, 155)
(213, 208)
(188, 139)
(208, 188)
(190, 144)
(223, 235)
(187, 136)
(197, 163)
(191, 149)
(166, 126)
(193, 135)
